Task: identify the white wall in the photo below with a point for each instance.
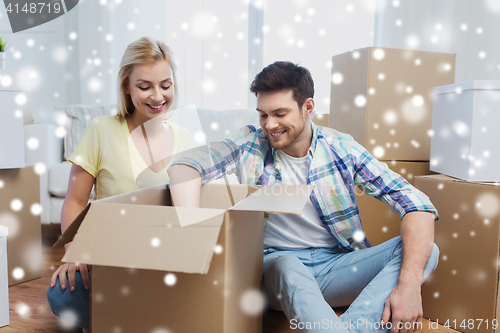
(469, 28)
(104, 29)
(310, 32)
(39, 56)
(219, 47)
(210, 42)
(209, 39)
(63, 68)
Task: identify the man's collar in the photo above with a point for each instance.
(314, 140)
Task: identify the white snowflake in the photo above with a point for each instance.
(252, 302)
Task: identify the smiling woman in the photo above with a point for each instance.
(151, 91)
(113, 149)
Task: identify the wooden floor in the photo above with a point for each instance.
(29, 311)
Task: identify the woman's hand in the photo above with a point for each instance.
(70, 270)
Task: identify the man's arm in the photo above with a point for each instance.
(185, 185)
(404, 303)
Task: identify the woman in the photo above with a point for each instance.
(115, 152)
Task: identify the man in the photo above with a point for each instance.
(321, 259)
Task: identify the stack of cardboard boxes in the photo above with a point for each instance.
(404, 108)
(463, 292)
(383, 98)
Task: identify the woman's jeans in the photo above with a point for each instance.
(73, 306)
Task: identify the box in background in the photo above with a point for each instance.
(465, 284)
(465, 121)
(20, 211)
(321, 120)
(383, 98)
(11, 131)
(156, 267)
(4, 283)
(379, 223)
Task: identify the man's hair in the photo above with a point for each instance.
(285, 75)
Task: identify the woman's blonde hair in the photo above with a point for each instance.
(142, 51)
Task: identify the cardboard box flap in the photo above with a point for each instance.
(146, 237)
(70, 232)
(153, 195)
(468, 85)
(278, 199)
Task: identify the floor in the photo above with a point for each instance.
(29, 311)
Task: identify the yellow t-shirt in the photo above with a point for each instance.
(106, 153)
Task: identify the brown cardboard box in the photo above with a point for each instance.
(20, 212)
(465, 283)
(379, 223)
(321, 120)
(383, 98)
(154, 266)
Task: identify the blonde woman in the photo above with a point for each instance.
(113, 149)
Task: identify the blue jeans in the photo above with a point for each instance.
(73, 304)
(307, 283)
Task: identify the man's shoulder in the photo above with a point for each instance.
(334, 137)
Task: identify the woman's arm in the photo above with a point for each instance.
(79, 188)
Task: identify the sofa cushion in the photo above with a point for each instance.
(78, 117)
(59, 179)
(55, 209)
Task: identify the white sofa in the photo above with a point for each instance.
(205, 126)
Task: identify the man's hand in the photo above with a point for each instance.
(70, 269)
(405, 305)
(185, 185)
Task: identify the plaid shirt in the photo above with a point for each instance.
(337, 165)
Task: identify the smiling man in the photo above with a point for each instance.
(321, 259)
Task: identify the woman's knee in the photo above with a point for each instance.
(63, 299)
(55, 297)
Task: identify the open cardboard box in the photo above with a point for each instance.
(156, 268)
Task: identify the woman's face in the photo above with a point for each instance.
(151, 88)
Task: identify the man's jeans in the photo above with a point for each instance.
(307, 283)
(72, 306)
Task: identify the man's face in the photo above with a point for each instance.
(283, 122)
